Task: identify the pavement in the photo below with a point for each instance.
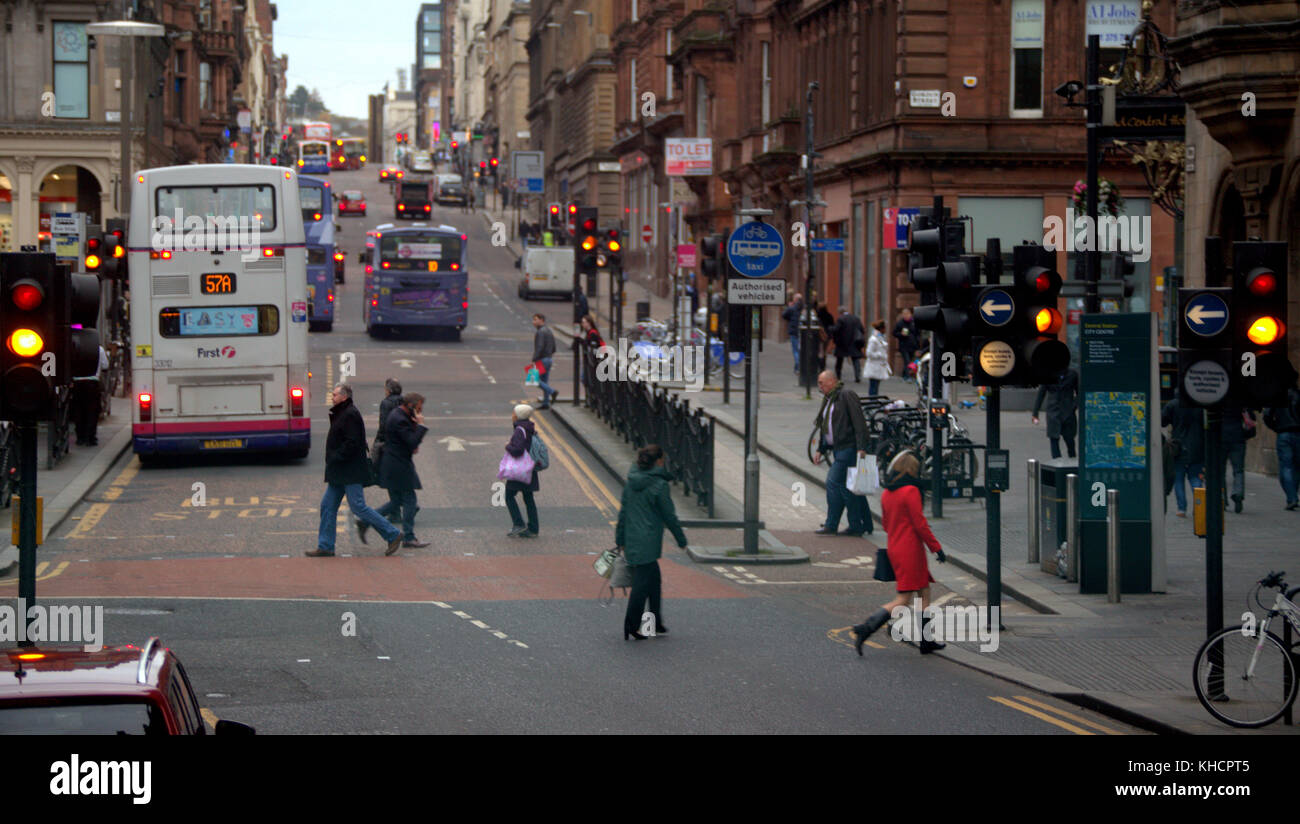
(1131, 660)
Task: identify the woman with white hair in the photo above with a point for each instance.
(903, 515)
(521, 442)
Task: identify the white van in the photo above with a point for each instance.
(547, 270)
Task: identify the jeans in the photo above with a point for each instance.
(794, 347)
(838, 497)
(403, 501)
(329, 513)
(873, 386)
(646, 585)
(1288, 464)
(1056, 446)
(547, 391)
(857, 367)
(513, 487)
(1236, 456)
(1192, 473)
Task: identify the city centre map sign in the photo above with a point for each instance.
(1119, 448)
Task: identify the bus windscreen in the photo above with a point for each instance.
(314, 150)
(311, 198)
(250, 205)
(430, 253)
(414, 191)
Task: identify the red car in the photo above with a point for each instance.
(352, 202)
(390, 173)
(115, 691)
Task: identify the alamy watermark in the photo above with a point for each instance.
(947, 623)
(209, 233)
(53, 624)
(1109, 233)
(656, 364)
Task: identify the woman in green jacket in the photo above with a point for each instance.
(646, 509)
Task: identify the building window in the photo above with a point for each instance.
(71, 71)
(205, 87)
(767, 94)
(633, 11)
(433, 61)
(1027, 58)
(432, 20)
(701, 107)
(632, 86)
(432, 43)
(668, 53)
(179, 79)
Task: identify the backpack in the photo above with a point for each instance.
(539, 453)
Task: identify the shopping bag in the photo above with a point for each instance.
(516, 469)
(531, 377)
(604, 563)
(858, 480)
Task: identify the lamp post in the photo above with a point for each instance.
(126, 29)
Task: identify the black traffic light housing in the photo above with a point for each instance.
(1205, 362)
(114, 249)
(1037, 323)
(711, 264)
(946, 278)
(587, 239)
(611, 245)
(1262, 371)
(32, 289)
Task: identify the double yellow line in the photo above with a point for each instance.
(97, 511)
(1025, 704)
(588, 482)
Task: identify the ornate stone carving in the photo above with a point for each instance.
(26, 164)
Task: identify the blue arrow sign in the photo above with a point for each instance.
(755, 250)
(828, 244)
(996, 307)
(1207, 315)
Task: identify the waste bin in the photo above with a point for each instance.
(642, 310)
(1052, 526)
(809, 341)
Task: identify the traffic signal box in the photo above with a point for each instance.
(1017, 327)
(39, 302)
(940, 272)
(587, 243)
(1205, 343)
(1261, 371)
(113, 266)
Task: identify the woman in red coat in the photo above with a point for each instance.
(903, 517)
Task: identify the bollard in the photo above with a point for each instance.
(1112, 546)
(1072, 526)
(1034, 529)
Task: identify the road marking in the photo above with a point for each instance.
(943, 599)
(571, 462)
(1042, 716)
(1027, 700)
(836, 635)
(210, 717)
(476, 360)
(41, 572)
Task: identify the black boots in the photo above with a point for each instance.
(863, 630)
(928, 647)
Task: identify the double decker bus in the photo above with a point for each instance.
(318, 227)
(317, 130)
(353, 150)
(417, 280)
(218, 278)
(314, 157)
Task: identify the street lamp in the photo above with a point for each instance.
(126, 28)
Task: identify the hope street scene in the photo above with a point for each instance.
(634, 366)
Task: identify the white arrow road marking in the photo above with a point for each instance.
(404, 363)
(1198, 314)
(455, 444)
(988, 307)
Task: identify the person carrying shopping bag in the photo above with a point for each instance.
(877, 358)
(903, 516)
(519, 457)
(842, 433)
(646, 509)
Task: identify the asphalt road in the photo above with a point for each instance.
(478, 632)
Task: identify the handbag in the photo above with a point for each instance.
(516, 469)
(622, 573)
(884, 569)
(604, 563)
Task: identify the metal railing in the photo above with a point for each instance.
(643, 414)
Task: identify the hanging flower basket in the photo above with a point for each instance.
(1109, 200)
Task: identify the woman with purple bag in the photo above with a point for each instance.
(519, 471)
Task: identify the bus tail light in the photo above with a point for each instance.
(385, 264)
(295, 401)
(455, 266)
(374, 301)
(464, 304)
(369, 268)
(146, 407)
(401, 207)
(315, 216)
(428, 208)
(269, 251)
(330, 297)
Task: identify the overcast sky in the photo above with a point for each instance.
(345, 48)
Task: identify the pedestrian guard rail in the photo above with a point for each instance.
(643, 413)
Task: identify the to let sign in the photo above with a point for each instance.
(685, 156)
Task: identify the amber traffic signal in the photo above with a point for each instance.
(1262, 372)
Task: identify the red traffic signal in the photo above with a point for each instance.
(494, 162)
(455, 144)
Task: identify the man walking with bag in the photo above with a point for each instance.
(403, 433)
(842, 431)
(347, 470)
(544, 353)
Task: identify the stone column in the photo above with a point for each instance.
(26, 203)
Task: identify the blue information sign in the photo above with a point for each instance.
(996, 307)
(1206, 315)
(755, 250)
(533, 185)
(828, 244)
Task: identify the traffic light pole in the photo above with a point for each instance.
(1214, 477)
(27, 515)
(993, 504)
(805, 345)
(751, 437)
(936, 386)
(1092, 257)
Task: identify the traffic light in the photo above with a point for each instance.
(114, 249)
(588, 243)
(947, 281)
(94, 258)
(553, 216)
(612, 247)
(1036, 323)
(711, 256)
(78, 336)
(29, 365)
(494, 163)
(1122, 269)
(1261, 371)
(573, 221)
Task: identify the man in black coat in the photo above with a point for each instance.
(405, 429)
(347, 471)
(850, 338)
(1062, 416)
(843, 433)
(1188, 446)
(386, 407)
(908, 339)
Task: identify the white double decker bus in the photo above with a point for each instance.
(218, 276)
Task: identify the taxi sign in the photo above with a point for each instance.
(755, 250)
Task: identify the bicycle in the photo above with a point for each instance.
(8, 462)
(60, 428)
(1245, 676)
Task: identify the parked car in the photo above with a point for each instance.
(449, 188)
(390, 173)
(124, 690)
(422, 162)
(352, 202)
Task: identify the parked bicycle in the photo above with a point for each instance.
(8, 462)
(1245, 675)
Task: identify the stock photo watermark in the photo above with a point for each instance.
(949, 622)
(210, 233)
(53, 624)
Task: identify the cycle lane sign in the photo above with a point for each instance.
(755, 250)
